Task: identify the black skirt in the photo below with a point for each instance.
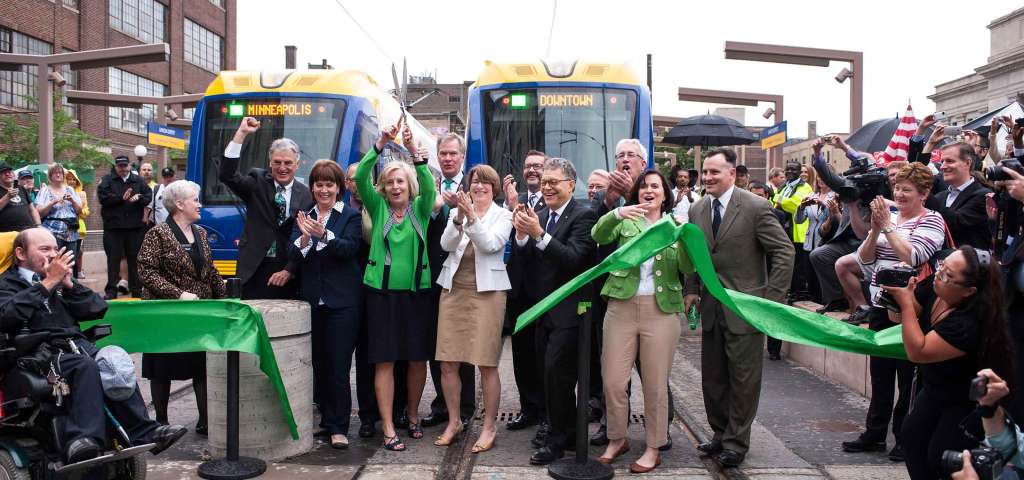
(174, 366)
(401, 325)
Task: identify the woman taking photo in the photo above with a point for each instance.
(175, 263)
(472, 306)
(58, 206)
(398, 277)
(326, 243)
(953, 325)
(642, 320)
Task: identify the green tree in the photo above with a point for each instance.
(71, 146)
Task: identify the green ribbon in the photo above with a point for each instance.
(777, 320)
(198, 326)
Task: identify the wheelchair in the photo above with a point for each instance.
(31, 423)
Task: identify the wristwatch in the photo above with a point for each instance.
(422, 161)
(538, 238)
(887, 229)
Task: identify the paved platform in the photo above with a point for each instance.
(803, 418)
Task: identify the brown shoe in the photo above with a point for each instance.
(637, 468)
(622, 450)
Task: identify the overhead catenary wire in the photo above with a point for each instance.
(551, 31)
(365, 32)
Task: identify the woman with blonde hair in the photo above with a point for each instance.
(59, 206)
(397, 278)
(74, 182)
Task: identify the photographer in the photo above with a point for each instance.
(1001, 433)
(952, 323)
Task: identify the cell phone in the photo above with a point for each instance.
(826, 138)
(952, 131)
(939, 116)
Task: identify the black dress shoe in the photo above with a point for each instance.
(896, 454)
(710, 448)
(366, 430)
(600, 437)
(165, 436)
(863, 445)
(835, 306)
(82, 449)
(774, 356)
(667, 446)
(521, 421)
(545, 455)
(434, 419)
(403, 421)
(202, 430)
(730, 459)
(322, 434)
(540, 439)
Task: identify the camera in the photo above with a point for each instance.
(895, 276)
(864, 187)
(1019, 122)
(988, 462)
(995, 172)
(952, 131)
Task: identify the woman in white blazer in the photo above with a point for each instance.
(472, 306)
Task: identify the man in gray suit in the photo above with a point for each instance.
(743, 236)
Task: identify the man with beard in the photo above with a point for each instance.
(272, 199)
(529, 380)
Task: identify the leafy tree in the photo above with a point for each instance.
(19, 133)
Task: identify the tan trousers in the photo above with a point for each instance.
(637, 326)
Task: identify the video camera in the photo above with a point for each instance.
(987, 461)
(1009, 218)
(862, 182)
(895, 276)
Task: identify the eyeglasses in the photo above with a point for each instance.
(538, 167)
(629, 155)
(550, 182)
(942, 273)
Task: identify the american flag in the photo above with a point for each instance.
(900, 143)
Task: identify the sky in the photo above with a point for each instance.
(909, 47)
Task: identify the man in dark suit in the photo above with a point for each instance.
(962, 203)
(272, 198)
(743, 236)
(556, 246)
(451, 154)
(524, 354)
(123, 196)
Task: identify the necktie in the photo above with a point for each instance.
(532, 200)
(446, 185)
(282, 205)
(716, 217)
(551, 221)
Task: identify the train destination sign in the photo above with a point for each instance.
(565, 100)
(282, 109)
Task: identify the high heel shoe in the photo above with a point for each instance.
(637, 468)
(481, 448)
(443, 442)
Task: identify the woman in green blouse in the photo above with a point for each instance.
(398, 293)
(642, 321)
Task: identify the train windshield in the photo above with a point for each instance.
(580, 124)
(313, 123)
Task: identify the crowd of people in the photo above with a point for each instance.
(410, 269)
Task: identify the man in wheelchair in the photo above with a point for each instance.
(39, 293)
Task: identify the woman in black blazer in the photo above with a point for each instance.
(325, 244)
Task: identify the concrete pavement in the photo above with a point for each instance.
(801, 422)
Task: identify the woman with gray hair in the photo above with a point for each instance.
(175, 263)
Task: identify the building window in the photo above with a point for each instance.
(17, 88)
(71, 77)
(202, 47)
(219, 3)
(72, 4)
(188, 113)
(453, 99)
(141, 19)
(125, 83)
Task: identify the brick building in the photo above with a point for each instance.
(441, 107)
(201, 35)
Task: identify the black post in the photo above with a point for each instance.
(233, 467)
(582, 467)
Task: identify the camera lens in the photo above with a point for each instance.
(952, 461)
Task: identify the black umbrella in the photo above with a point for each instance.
(709, 131)
(874, 136)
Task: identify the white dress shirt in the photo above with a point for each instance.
(956, 191)
(724, 200)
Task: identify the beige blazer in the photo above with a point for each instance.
(489, 236)
(749, 237)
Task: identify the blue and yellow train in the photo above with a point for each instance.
(576, 110)
(330, 114)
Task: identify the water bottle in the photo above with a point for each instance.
(693, 316)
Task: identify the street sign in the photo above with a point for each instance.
(773, 136)
(163, 136)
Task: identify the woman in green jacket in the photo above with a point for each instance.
(398, 293)
(642, 320)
